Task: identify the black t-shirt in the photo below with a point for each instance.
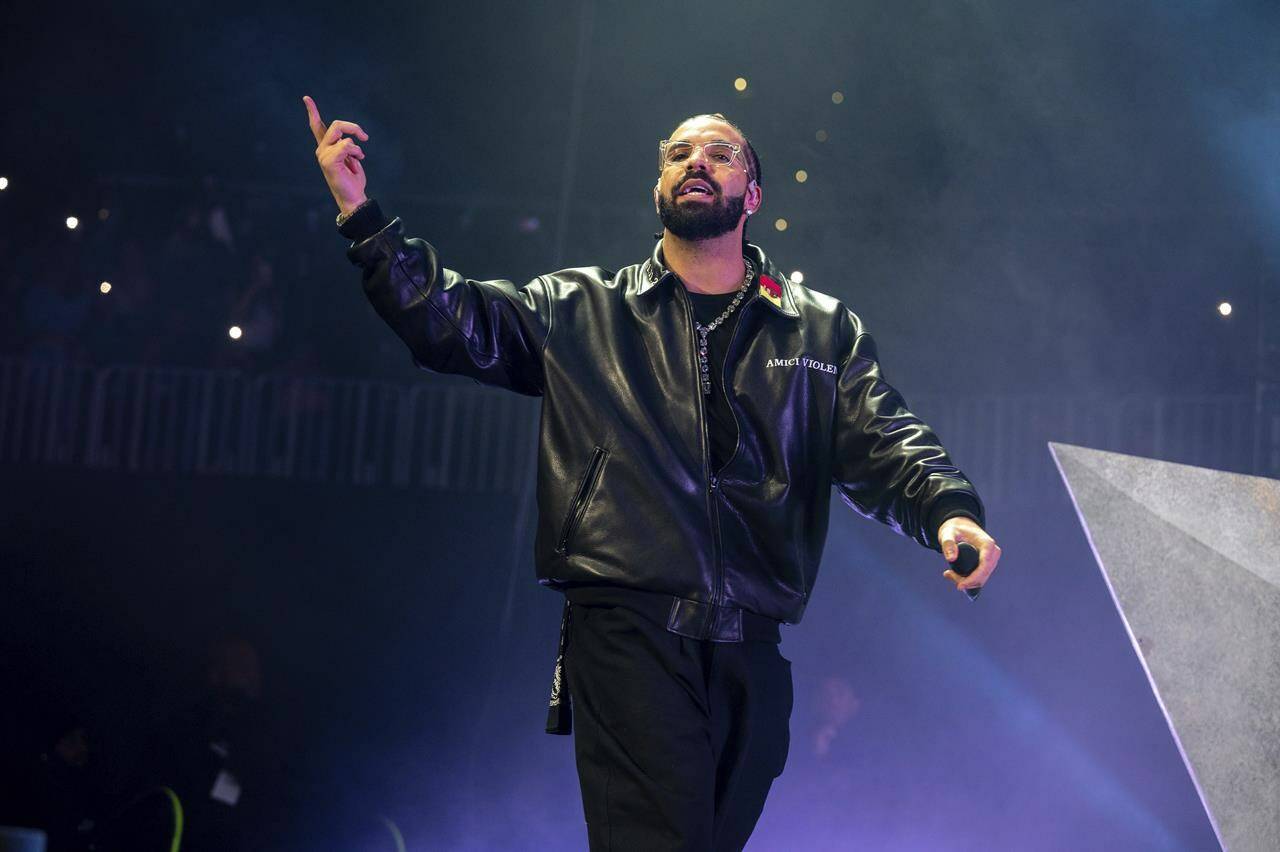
(722, 429)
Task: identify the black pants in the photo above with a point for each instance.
(677, 740)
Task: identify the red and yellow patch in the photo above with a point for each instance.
(771, 290)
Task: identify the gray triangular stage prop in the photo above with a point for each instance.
(1192, 558)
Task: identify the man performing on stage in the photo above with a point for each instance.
(697, 408)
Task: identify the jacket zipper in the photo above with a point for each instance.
(718, 593)
(713, 483)
(579, 506)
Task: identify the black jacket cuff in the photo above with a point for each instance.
(951, 506)
(364, 223)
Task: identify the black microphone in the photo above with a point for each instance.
(965, 562)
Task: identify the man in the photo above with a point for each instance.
(697, 408)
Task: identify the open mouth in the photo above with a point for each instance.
(696, 187)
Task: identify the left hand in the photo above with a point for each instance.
(958, 529)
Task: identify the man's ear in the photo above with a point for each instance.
(655, 196)
(755, 197)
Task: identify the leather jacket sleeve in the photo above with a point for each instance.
(492, 331)
(888, 464)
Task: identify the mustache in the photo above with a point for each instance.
(715, 187)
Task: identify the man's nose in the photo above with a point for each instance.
(697, 160)
(700, 167)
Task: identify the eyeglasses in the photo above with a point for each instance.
(671, 153)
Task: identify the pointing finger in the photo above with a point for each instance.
(313, 116)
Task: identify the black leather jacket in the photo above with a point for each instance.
(625, 493)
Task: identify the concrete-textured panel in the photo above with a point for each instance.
(1192, 558)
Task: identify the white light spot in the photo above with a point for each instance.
(780, 224)
(234, 332)
(740, 84)
(821, 136)
(801, 176)
(4, 183)
(105, 287)
(1225, 309)
(837, 97)
(72, 223)
(797, 277)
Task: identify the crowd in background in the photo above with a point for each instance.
(215, 763)
(213, 750)
(163, 286)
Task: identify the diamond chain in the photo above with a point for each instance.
(704, 365)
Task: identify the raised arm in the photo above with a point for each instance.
(492, 331)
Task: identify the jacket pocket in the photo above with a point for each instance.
(578, 508)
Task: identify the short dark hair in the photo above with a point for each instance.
(753, 161)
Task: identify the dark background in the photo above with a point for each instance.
(1036, 207)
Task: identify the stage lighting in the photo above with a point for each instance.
(1225, 309)
(801, 176)
(780, 224)
(105, 286)
(837, 97)
(72, 223)
(797, 277)
(4, 183)
(740, 84)
(234, 332)
(821, 136)
(103, 214)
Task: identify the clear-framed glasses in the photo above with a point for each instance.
(671, 152)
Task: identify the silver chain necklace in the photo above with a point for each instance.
(704, 365)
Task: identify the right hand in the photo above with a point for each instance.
(339, 157)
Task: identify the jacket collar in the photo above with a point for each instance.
(778, 297)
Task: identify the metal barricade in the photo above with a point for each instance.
(447, 434)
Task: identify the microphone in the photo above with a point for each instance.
(966, 561)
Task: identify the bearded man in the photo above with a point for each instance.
(697, 409)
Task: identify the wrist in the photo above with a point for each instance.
(364, 221)
(346, 211)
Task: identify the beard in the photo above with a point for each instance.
(700, 221)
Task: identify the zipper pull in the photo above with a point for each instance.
(714, 483)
